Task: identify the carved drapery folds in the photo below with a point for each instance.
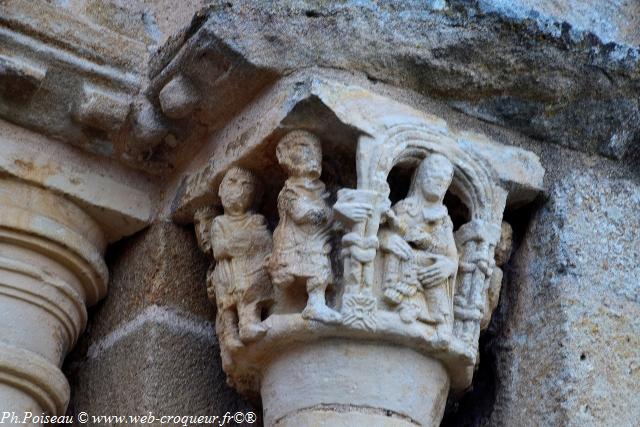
(351, 281)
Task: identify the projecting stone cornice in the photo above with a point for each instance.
(71, 79)
(67, 77)
(325, 102)
(121, 200)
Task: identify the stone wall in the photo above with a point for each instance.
(562, 348)
(569, 347)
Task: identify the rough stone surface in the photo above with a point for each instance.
(564, 72)
(152, 22)
(579, 268)
(612, 21)
(166, 364)
(544, 79)
(160, 266)
(563, 346)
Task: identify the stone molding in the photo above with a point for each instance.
(55, 60)
(52, 268)
(119, 199)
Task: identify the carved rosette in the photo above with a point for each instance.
(51, 267)
(411, 293)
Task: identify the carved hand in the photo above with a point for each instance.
(363, 249)
(231, 247)
(440, 270)
(397, 245)
(390, 217)
(355, 211)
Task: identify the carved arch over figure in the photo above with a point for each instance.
(476, 185)
(473, 180)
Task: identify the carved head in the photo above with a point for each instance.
(238, 190)
(300, 153)
(503, 249)
(432, 178)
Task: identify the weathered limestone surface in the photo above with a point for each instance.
(568, 350)
(152, 22)
(139, 94)
(121, 200)
(564, 72)
(542, 77)
(151, 345)
(612, 21)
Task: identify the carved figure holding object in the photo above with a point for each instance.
(301, 240)
(421, 258)
(502, 255)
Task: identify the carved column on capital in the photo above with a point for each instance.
(356, 309)
(51, 268)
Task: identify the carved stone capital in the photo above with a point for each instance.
(51, 268)
(358, 306)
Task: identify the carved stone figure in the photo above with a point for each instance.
(405, 311)
(240, 243)
(421, 259)
(301, 240)
(503, 252)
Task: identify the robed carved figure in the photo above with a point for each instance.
(240, 244)
(301, 240)
(421, 259)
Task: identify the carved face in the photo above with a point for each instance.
(434, 177)
(237, 191)
(300, 153)
(503, 250)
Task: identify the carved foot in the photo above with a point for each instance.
(252, 332)
(322, 314)
(429, 319)
(408, 314)
(442, 337)
(392, 295)
(231, 342)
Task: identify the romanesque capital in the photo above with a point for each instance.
(51, 268)
(353, 280)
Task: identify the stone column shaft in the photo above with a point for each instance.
(51, 268)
